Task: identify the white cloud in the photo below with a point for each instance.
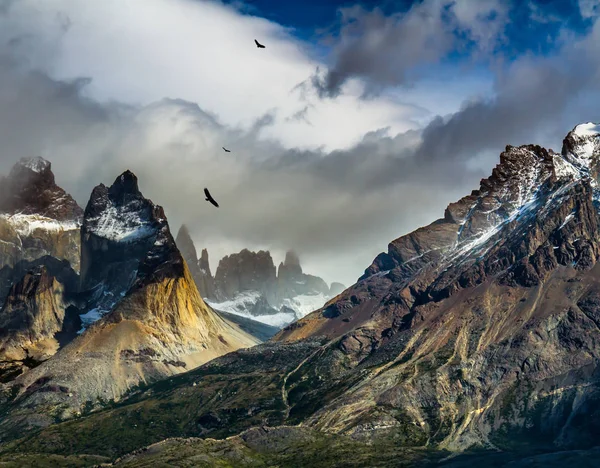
(140, 51)
(338, 209)
(589, 8)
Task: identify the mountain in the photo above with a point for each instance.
(34, 319)
(199, 267)
(143, 318)
(39, 260)
(37, 217)
(476, 333)
(248, 284)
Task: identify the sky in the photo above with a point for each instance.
(358, 123)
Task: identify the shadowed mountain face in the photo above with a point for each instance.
(479, 330)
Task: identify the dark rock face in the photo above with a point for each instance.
(199, 268)
(125, 239)
(60, 269)
(35, 319)
(336, 288)
(291, 281)
(30, 189)
(245, 271)
(248, 282)
(37, 218)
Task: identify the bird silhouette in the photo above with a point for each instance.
(259, 45)
(225, 149)
(209, 198)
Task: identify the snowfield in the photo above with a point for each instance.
(25, 224)
(302, 305)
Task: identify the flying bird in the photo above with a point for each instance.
(258, 44)
(225, 149)
(209, 198)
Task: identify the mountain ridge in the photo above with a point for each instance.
(479, 331)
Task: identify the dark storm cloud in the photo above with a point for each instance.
(384, 50)
(534, 102)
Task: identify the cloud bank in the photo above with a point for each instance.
(98, 87)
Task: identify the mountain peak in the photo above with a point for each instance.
(587, 129)
(30, 189)
(36, 164)
(125, 187)
(291, 258)
(580, 151)
(186, 246)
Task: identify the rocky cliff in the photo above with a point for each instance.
(247, 283)
(245, 271)
(482, 326)
(34, 319)
(39, 257)
(37, 217)
(199, 267)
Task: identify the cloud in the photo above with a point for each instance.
(385, 50)
(589, 8)
(200, 51)
(362, 174)
(324, 204)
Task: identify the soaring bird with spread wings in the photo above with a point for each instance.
(209, 198)
(258, 44)
(225, 149)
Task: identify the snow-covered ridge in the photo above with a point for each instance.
(301, 306)
(587, 129)
(121, 224)
(304, 304)
(26, 224)
(36, 164)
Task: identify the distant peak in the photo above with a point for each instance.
(125, 184)
(35, 164)
(183, 233)
(204, 255)
(587, 129)
(291, 258)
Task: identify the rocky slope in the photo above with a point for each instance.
(34, 319)
(481, 327)
(37, 218)
(145, 319)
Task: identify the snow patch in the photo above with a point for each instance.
(587, 129)
(563, 168)
(121, 224)
(37, 164)
(90, 317)
(26, 225)
(301, 306)
(304, 304)
(567, 219)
